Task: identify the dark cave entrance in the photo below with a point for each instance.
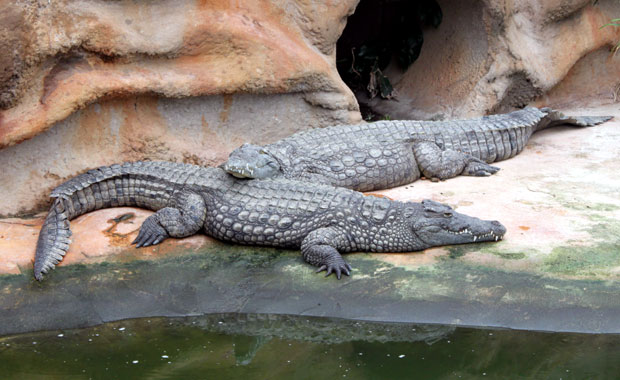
(382, 39)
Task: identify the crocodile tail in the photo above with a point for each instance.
(72, 198)
(53, 240)
(108, 186)
(555, 118)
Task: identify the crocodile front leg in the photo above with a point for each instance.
(436, 163)
(185, 218)
(319, 249)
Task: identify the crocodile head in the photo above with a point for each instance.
(251, 161)
(438, 224)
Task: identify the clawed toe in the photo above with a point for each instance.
(151, 233)
(321, 269)
(481, 170)
(493, 169)
(337, 268)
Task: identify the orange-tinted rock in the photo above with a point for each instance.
(493, 56)
(71, 53)
(105, 235)
(91, 83)
(197, 130)
(595, 78)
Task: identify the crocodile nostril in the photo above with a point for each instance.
(500, 227)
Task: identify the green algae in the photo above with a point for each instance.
(583, 261)
(454, 252)
(591, 207)
(593, 260)
(225, 277)
(457, 251)
(510, 255)
(605, 229)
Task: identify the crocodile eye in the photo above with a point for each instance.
(447, 214)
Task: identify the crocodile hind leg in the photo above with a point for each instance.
(184, 218)
(436, 163)
(319, 249)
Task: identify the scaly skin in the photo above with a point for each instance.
(321, 220)
(385, 154)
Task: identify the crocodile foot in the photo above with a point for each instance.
(335, 265)
(479, 169)
(151, 233)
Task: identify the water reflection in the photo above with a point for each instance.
(285, 347)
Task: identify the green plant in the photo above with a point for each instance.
(613, 22)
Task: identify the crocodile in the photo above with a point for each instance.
(386, 154)
(323, 221)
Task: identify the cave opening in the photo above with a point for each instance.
(381, 40)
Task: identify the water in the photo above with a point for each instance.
(286, 347)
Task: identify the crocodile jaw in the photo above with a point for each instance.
(476, 231)
(239, 171)
(251, 161)
(438, 224)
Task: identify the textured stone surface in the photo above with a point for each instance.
(90, 83)
(63, 55)
(491, 56)
(595, 78)
(558, 267)
(198, 130)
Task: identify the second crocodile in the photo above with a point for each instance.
(386, 154)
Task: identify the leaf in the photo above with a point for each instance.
(379, 84)
(385, 87)
(431, 13)
(372, 85)
(410, 49)
(612, 22)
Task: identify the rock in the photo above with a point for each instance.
(67, 54)
(197, 130)
(118, 81)
(592, 80)
(490, 56)
(102, 236)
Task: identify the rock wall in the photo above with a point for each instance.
(493, 56)
(198, 130)
(66, 54)
(93, 82)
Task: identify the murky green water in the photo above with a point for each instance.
(284, 347)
